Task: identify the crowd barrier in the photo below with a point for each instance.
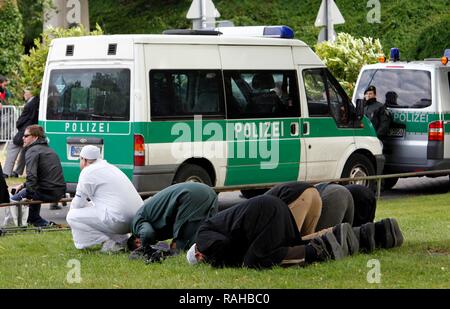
(8, 118)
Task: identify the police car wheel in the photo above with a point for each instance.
(193, 173)
(359, 165)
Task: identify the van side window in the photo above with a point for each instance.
(176, 94)
(89, 94)
(326, 97)
(261, 94)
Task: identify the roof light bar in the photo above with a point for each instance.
(395, 54)
(283, 32)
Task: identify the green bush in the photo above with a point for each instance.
(31, 69)
(434, 40)
(11, 36)
(347, 55)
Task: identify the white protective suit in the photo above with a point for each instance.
(114, 202)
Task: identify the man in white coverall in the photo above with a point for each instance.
(114, 201)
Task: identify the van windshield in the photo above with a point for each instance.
(89, 94)
(398, 88)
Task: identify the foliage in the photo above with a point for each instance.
(434, 40)
(11, 37)
(32, 12)
(347, 55)
(31, 69)
(402, 21)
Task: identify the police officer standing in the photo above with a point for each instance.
(376, 112)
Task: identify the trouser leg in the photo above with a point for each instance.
(20, 163)
(11, 155)
(337, 207)
(306, 210)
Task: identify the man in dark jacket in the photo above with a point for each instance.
(45, 180)
(28, 117)
(376, 112)
(175, 212)
(4, 194)
(260, 233)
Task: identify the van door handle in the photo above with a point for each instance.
(294, 129)
(305, 128)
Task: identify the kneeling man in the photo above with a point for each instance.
(104, 205)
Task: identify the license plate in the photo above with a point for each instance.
(396, 132)
(75, 150)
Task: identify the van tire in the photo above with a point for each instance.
(192, 173)
(389, 183)
(359, 165)
(249, 193)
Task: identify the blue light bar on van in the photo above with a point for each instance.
(283, 32)
(447, 53)
(395, 54)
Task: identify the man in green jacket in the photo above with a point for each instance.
(175, 212)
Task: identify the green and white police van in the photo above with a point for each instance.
(417, 94)
(220, 109)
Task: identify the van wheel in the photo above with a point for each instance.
(389, 183)
(253, 192)
(359, 165)
(192, 173)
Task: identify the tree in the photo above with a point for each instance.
(11, 36)
(346, 56)
(32, 66)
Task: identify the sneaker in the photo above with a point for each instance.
(110, 246)
(388, 234)
(346, 238)
(366, 235)
(5, 176)
(327, 248)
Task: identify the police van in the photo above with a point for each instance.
(417, 94)
(207, 106)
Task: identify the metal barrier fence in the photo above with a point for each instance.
(377, 178)
(8, 118)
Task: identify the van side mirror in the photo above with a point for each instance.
(359, 109)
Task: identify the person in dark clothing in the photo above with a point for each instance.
(4, 194)
(28, 117)
(376, 112)
(365, 204)
(45, 180)
(260, 233)
(175, 212)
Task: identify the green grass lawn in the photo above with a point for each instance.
(41, 261)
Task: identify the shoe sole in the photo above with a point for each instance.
(334, 246)
(369, 233)
(351, 239)
(397, 235)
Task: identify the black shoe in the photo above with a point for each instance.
(346, 238)
(14, 175)
(388, 234)
(326, 248)
(366, 235)
(5, 176)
